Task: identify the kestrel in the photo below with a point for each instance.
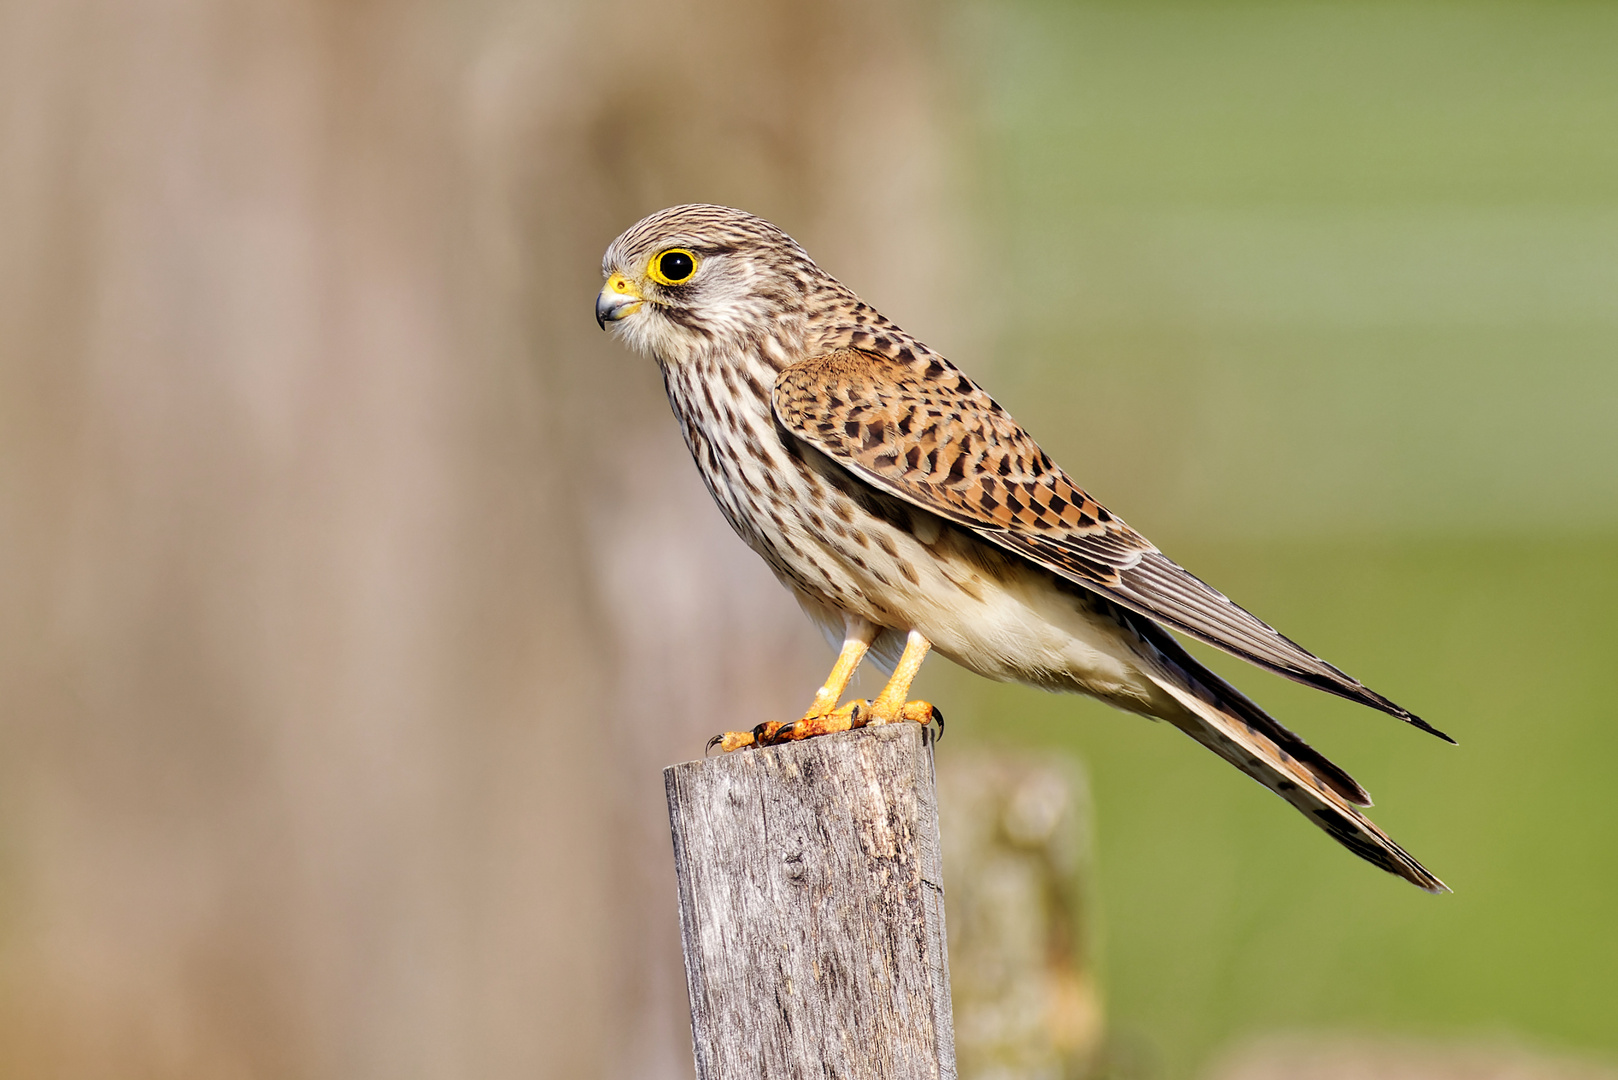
(907, 511)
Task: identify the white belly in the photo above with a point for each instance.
(990, 613)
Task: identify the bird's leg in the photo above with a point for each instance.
(823, 715)
(890, 706)
(857, 637)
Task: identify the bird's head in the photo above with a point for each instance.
(692, 278)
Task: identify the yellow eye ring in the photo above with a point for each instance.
(672, 267)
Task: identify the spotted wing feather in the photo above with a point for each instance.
(916, 427)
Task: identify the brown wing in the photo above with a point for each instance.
(917, 428)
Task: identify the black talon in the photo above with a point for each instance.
(938, 715)
(713, 742)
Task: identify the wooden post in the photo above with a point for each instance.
(812, 910)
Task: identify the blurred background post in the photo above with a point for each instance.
(354, 588)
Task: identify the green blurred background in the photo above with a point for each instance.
(1324, 299)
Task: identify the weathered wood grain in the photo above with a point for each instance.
(812, 911)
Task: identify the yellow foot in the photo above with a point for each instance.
(916, 712)
(856, 714)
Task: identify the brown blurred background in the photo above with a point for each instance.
(354, 587)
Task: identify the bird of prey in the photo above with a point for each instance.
(907, 511)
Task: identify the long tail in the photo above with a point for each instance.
(1221, 718)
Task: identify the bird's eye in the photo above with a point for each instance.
(674, 266)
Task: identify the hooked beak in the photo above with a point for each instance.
(617, 299)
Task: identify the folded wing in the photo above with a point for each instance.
(917, 428)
